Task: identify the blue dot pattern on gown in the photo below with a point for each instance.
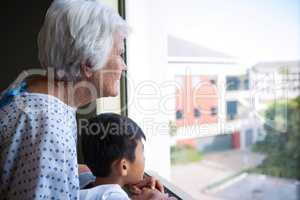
(38, 158)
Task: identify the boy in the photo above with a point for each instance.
(112, 148)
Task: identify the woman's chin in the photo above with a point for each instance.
(114, 92)
(116, 89)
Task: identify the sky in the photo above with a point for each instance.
(256, 30)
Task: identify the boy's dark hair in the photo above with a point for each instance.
(109, 137)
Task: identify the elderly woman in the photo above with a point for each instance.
(80, 43)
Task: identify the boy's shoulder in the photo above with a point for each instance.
(104, 192)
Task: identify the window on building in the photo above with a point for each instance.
(231, 109)
(197, 113)
(246, 84)
(214, 111)
(232, 83)
(212, 81)
(179, 114)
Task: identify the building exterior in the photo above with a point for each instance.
(273, 81)
(212, 98)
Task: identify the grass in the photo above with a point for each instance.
(184, 155)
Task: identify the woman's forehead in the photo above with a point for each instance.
(118, 45)
(118, 37)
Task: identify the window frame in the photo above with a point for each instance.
(123, 82)
(169, 188)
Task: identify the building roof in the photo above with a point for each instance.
(293, 66)
(182, 48)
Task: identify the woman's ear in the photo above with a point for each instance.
(86, 70)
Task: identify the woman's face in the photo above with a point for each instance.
(108, 78)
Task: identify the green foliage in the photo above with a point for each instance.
(172, 128)
(184, 155)
(282, 142)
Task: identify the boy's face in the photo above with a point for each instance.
(136, 172)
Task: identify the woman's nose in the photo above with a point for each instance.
(124, 66)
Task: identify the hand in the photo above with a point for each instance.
(150, 194)
(148, 182)
(83, 168)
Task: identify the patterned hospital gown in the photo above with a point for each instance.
(38, 158)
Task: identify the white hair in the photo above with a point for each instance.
(76, 32)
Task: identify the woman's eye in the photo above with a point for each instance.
(122, 52)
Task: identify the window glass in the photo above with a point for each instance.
(231, 109)
(213, 111)
(235, 135)
(197, 113)
(232, 83)
(179, 114)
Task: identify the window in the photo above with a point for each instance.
(167, 49)
(246, 84)
(241, 82)
(231, 110)
(179, 114)
(197, 113)
(213, 111)
(232, 83)
(212, 81)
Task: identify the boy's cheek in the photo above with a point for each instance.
(142, 176)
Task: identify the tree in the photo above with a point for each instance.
(282, 146)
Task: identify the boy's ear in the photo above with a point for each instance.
(86, 70)
(122, 167)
